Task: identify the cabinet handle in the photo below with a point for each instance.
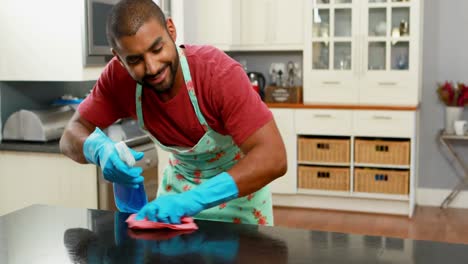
(331, 82)
(382, 117)
(323, 116)
(387, 83)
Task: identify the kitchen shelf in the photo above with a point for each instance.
(382, 166)
(342, 39)
(400, 39)
(343, 106)
(395, 197)
(299, 162)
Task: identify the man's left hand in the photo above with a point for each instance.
(170, 208)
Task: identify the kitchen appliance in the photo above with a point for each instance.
(37, 125)
(257, 80)
(98, 50)
(136, 139)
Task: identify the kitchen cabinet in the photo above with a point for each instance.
(212, 22)
(44, 41)
(28, 178)
(363, 52)
(234, 25)
(163, 162)
(351, 128)
(272, 24)
(284, 119)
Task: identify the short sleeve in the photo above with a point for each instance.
(103, 106)
(240, 106)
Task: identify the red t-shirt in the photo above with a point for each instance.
(225, 97)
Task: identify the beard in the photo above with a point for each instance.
(166, 85)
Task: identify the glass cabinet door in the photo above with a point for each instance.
(388, 35)
(332, 34)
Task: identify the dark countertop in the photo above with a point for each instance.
(53, 145)
(26, 146)
(45, 234)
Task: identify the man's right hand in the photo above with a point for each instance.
(101, 150)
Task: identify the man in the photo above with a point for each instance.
(197, 103)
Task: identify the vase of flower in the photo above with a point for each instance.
(452, 114)
(455, 99)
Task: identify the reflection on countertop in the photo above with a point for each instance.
(46, 234)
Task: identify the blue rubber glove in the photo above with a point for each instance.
(170, 208)
(100, 150)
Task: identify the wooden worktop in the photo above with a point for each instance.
(345, 106)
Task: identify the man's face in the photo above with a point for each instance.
(150, 56)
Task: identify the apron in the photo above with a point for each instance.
(214, 153)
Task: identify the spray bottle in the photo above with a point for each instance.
(128, 199)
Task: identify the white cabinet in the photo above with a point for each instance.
(284, 119)
(39, 178)
(43, 41)
(363, 52)
(398, 124)
(272, 24)
(245, 24)
(323, 122)
(163, 162)
(323, 129)
(212, 22)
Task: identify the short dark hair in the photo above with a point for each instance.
(127, 16)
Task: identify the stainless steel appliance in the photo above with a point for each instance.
(138, 141)
(37, 125)
(257, 80)
(98, 49)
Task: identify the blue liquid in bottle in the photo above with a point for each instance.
(127, 199)
(130, 200)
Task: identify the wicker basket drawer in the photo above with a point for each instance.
(323, 178)
(382, 152)
(381, 181)
(323, 150)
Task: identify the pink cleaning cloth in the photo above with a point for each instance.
(187, 223)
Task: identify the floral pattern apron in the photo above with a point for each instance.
(214, 153)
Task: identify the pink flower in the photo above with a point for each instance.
(453, 95)
(462, 94)
(449, 90)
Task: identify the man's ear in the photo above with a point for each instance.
(118, 57)
(171, 29)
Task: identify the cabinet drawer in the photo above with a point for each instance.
(323, 178)
(323, 122)
(384, 123)
(381, 181)
(383, 89)
(323, 150)
(382, 151)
